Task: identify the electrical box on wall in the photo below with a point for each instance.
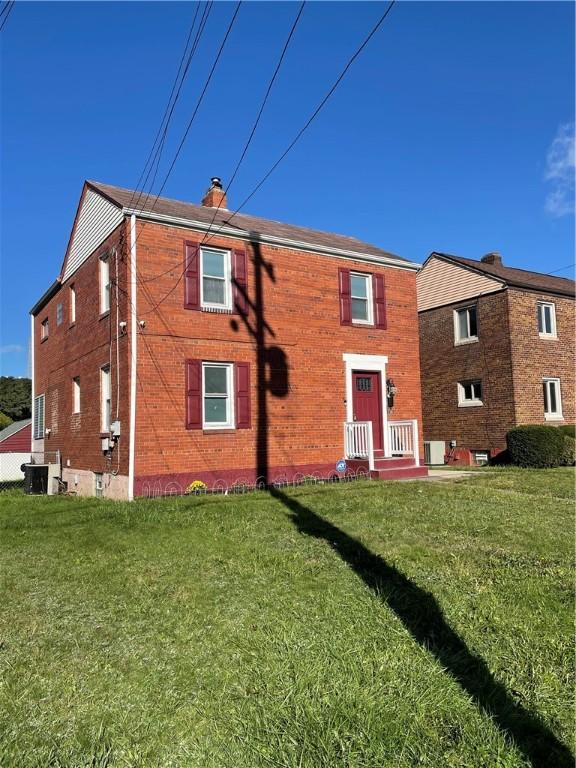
(105, 441)
(115, 429)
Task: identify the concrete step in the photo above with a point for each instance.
(394, 461)
(399, 473)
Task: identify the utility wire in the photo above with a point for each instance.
(260, 111)
(561, 269)
(159, 142)
(5, 13)
(292, 143)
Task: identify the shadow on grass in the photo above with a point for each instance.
(421, 615)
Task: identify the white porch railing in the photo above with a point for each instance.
(358, 441)
(403, 438)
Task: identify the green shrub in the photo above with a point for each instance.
(568, 429)
(536, 446)
(569, 452)
(5, 421)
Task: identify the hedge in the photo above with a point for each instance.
(568, 429)
(536, 446)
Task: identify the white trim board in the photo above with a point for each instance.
(377, 363)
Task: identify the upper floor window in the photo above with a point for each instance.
(104, 284)
(552, 399)
(44, 329)
(76, 394)
(546, 320)
(361, 296)
(105, 399)
(465, 325)
(216, 279)
(59, 314)
(470, 393)
(72, 304)
(38, 430)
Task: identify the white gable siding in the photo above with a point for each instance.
(97, 218)
(440, 283)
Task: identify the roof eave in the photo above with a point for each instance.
(45, 298)
(244, 234)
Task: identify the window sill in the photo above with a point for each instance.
(553, 417)
(218, 431)
(471, 404)
(362, 324)
(462, 342)
(44, 339)
(217, 310)
(548, 336)
(72, 325)
(103, 315)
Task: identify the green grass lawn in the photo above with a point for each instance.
(364, 625)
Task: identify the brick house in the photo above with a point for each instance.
(496, 350)
(15, 442)
(183, 342)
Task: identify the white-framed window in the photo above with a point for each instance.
(217, 399)
(465, 325)
(44, 329)
(361, 298)
(72, 293)
(470, 393)
(76, 394)
(216, 279)
(39, 417)
(104, 284)
(546, 320)
(59, 314)
(105, 399)
(552, 399)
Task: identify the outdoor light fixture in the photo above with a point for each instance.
(391, 391)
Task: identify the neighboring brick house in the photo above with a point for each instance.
(496, 350)
(185, 342)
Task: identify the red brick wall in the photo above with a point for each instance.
(301, 312)
(444, 365)
(80, 350)
(535, 358)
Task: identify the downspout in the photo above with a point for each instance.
(133, 357)
(33, 380)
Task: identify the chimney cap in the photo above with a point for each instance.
(492, 258)
(216, 182)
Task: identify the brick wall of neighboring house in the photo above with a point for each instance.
(535, 358)
(444, 364)
(301, 410)
(80, 349)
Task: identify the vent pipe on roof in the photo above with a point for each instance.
(492, 258)
(215, 197)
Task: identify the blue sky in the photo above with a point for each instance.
(451, 132)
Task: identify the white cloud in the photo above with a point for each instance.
(7, 349)
(559, 172)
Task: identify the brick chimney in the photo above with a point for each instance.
(215, 197)
(492, 258)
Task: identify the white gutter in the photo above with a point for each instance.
(243, 234)
(133, 357)
(33, 379)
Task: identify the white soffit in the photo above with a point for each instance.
(97, 218)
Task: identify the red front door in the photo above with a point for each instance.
(367, 403)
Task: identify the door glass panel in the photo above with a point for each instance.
(364, 384)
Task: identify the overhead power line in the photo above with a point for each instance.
(155, 153)
(5, 13)
(289, 147)
(561, 269)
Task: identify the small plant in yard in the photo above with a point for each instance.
(196, 487)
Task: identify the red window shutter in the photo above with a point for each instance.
(379, 301)
(345, 300)
(191, 275)
(240, 281)
(242, 381)
(193, 394)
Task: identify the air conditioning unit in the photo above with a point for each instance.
(434, 451)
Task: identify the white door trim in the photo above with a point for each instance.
(376, 363)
